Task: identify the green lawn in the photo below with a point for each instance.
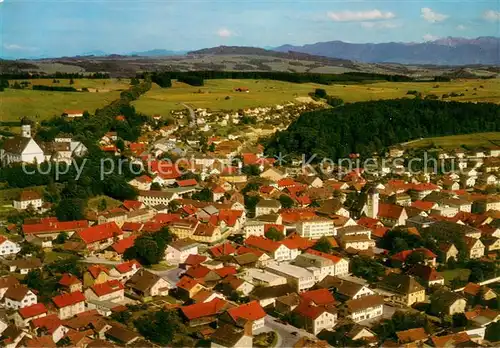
(94, 202)
(53, 256)
(162, 266)
(266, 92)
(487, 140)
(461, 273)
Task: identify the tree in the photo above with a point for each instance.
(145, 250)
(493, 332)
(159, 327)
(286, 201)
(173, 206)
(203, 195)
(103, 205)
(61, 238)
(71, 82)
(120, 144)
(323, 245)
(155, 187)
(70, 209)
(273, 234)
(416, 257)
(251, 170)
(134, 81)
(459, 320)
(320, 93)
(367, 268)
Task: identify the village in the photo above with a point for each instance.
(237, 249)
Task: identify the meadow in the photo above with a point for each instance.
(40, 105)
(213, 95)
(486, 140)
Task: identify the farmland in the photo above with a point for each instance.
(39, 105)
(486, 140)
(213, 95)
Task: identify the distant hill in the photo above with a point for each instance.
(158, 53)
(445, 51)
(256, 51)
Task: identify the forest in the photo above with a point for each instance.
(370, 127)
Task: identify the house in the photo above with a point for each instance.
(232, 284)
(314, 318)
(121, 335)
(19, 296)
(224, 249)
(267, 295)
(260, 277)
(392, 215)
(300, 278)
(188, 287)
(428, 256)
(142, 183)
(112, 290)
(21, 149)
(482, 316)
(6, 282)
(365, 307)
(472, 290)
(100, 237)
(28, 198)
(402, 289)
(445, 302)
(70, 283)
(229, 336)
(322, 264)
(147, 284)
(69, 304)
(449, 250)
(24, 266)
(267, 206)
(277, 251)
(24, 315)
(178, 251)
(475, 247)
(73, 113)
(427, 274)
(203, 312)
(272, 174)
(345, 289)
(460, 339)
(50, 324)
(152, 198)
(356, 242)
(7, 247)
(251, 311)
(95, 274)
(51, 228)
(124, 271)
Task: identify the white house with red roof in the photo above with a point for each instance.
(335, 266)
(124, 271)
(69, 304)
(52, 325)
(8, 247)
(314, 317)
(112, 290)
(24, 315)
(178, 251)
(28, 198)
(70, 283)
(251, 311)
(19, 296)
(142, 182)
(100, 237)
(51, 227)
(276, 250)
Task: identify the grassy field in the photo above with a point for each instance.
(266, 92)
(461, 273)
(93, 203)
(39, 105)
(487, 140)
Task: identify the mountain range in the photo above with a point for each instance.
(445, 51)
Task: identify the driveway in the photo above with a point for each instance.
(285, 337)
(171, 275)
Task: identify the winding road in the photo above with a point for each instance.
(192, 115)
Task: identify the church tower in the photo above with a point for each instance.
(26, 131)
(372, 201)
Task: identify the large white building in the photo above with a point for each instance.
(21, 149)
(316, 228)
(301, 278)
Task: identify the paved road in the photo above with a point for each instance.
(171, 275)
(93, 259)
(285, 337)
(192, 116)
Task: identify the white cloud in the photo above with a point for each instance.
(361, 16)
(430, 37)
(491, 15)
(1, 1)
(431, 16)
(223, 32)
(15, 47)
(461, 27)
(379, 25)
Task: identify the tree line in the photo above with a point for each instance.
(370, 127)
(21, 75)
(54, 88)
(196, 77)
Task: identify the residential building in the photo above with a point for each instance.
(26, 314)
(365, 307)
(178, 251)
(112, 290)
(251, 311)
(19, 296)
(475, 247)
(445, 302)
(267, 206)
(69, 304)
(152, 198)
(314, 318)
(28, 198)
(402, 289)
(300, 278)
(147, 284)
(100, 237)
(316, 228)
(70, 283)
(8, 247)
(260, 277)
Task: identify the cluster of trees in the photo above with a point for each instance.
(149, 249)
(400, 321)
(54, 88)
(321, 93)
(3, 84)
(160, 327)
(192, 80)
(163, 78)
(367, 268)
(336, 133)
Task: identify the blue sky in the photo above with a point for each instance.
(70, 27)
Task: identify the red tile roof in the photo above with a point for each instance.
(144, 179)
(368, 222)
(165, 169)
(262, 243)
(100, 232)
(403, 255)
(245, 250)
(187, 183)
(223, 249)
(95, 270)
(331, 257)
(390, 211)
(70, 299)
(200, 310)
(309, 310)
(68, 280)
(193, 259)
(423, 205)
(286, 182)
(225, 271)
(249, 311)
(187, 283)
(32, 311)
(107, 288)
(128, 266)
(320, 297)
(132, 205)
(132, 226)
(54, 227)
(294, 241)
(197, 272)
(49, 323)
(123, 244)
